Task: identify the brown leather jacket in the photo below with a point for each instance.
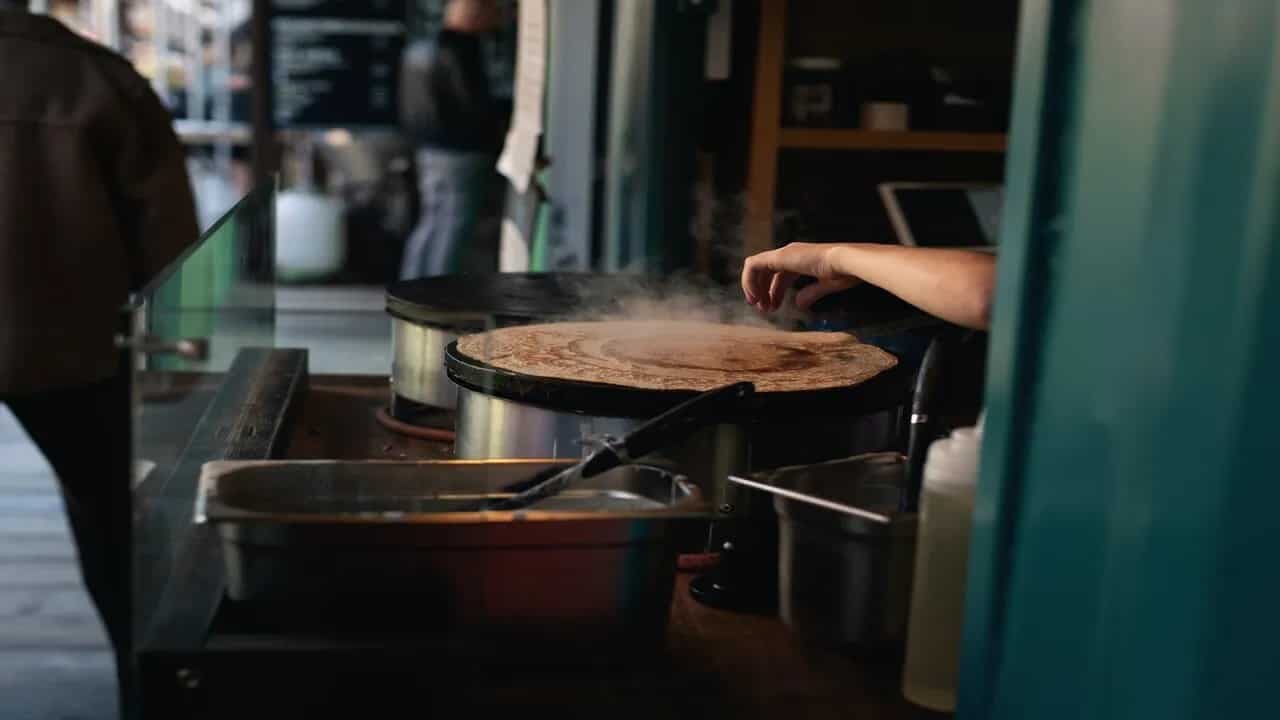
(94, 201)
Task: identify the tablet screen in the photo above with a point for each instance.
(949, 216)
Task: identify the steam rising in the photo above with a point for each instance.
(683, 297)
(711, 294)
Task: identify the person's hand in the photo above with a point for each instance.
(767, 276)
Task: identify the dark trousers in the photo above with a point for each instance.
(84, 434)
(459, 224)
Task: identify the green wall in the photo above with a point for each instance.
(1123, 562)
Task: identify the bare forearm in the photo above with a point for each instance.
(955, 285)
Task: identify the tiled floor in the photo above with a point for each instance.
(54, 662)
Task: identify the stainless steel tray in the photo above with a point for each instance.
(364, 543)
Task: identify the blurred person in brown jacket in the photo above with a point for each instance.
(94, 201)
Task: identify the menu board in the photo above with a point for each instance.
(335, 63)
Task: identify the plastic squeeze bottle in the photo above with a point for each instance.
(936, 618)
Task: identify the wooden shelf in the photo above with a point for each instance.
(832, 20)
(849, 139)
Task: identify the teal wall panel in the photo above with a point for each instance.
(1123, 559)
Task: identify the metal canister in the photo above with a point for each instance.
(845, 552)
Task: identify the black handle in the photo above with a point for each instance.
(684, 418)
(532, 481)
(923, 426)
(652, 435)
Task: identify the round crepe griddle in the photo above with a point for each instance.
(632, 368)
(466, 301)
(654, 355)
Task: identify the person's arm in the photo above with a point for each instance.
(955, 285)
(153, 191)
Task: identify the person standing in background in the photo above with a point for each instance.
(449, 111)
(94, 202)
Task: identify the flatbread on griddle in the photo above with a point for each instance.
(698, 356)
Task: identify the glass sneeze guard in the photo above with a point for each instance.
(181, 335)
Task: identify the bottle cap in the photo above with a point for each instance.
(952, 461)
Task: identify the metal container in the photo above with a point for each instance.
(845, 552)
(375, 544)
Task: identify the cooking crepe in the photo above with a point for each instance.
(698, 356)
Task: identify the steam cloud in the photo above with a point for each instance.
(709, 294)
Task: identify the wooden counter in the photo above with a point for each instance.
(751, 666)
